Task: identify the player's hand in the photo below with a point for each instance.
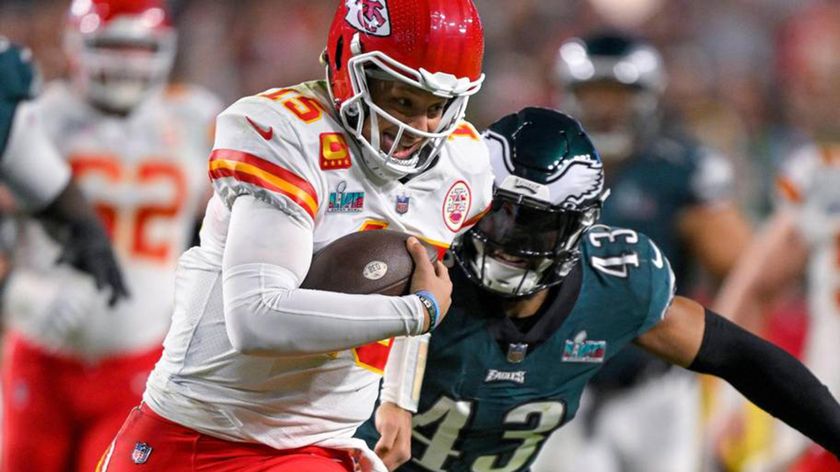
(433, 278)
(394, 426)
(88, 249)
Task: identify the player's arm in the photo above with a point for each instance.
(700, 340)
(772, 262)
(273, 202)
(399, 399)
(716, 235)
(713, 228)
(40, 178)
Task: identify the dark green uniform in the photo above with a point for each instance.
(649, 191)
(482, 411)
(17, 78)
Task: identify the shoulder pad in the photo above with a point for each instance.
(195, 101)
(626, 260)
(258, 152)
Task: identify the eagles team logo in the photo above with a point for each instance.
(369, 16)
(582, 180)
(456, 205)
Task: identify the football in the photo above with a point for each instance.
(365, 262)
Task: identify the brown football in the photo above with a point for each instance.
(365, 262)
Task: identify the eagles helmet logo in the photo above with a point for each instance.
(369, 16)
(575, 181)
(579, 179)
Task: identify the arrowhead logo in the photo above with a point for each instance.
(265, 133)
(369, 16)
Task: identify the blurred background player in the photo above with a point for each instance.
(801, 239)
(544, 296)
(40, 180)
(73, 364)
(676, 191)
(726, 73)
(264, 375)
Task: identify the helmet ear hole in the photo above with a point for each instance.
(339, 50)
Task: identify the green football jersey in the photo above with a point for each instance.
(17, 81)
(492, 394)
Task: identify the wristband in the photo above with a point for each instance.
(428, 300)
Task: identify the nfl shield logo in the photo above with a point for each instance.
(402, 204)
(141, 452)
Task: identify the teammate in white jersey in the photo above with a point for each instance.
(258, 374)
(801, 240)
(40, 180)
(73, 364)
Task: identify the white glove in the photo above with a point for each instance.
(49, 308)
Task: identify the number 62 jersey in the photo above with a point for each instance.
(493, 394)
(145, 175)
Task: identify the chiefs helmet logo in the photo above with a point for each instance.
(369, 16)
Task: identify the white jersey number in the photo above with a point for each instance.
(454, 415)
(616, 266)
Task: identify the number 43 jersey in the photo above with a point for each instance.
(493, 394)
(145, 174)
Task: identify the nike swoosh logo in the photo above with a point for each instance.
(265, 133)
(657, 259)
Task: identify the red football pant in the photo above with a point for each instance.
(174, 448)
(59, 413)
(817, 459)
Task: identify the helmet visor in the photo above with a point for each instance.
(527, 228)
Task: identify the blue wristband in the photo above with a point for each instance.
(430, 302)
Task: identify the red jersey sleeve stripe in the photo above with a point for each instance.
(254, 170)
(474, 219)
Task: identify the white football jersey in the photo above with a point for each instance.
(146, 176)
(287, 148)
(810, 184)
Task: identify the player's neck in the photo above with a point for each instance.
(525, 307)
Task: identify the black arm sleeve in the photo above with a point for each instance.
(770, 378)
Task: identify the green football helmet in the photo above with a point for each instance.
(549, 190)
(613, 83)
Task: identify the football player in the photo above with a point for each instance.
(258, 374)
(544, 297)
(37, 175)
(801, 239)
(676, 191)
(73, 364)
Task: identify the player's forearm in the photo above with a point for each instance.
(404, 372)
(267, 315)
(758, 279)
(770, 378)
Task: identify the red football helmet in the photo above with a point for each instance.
(434, 45)
(120, 50)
